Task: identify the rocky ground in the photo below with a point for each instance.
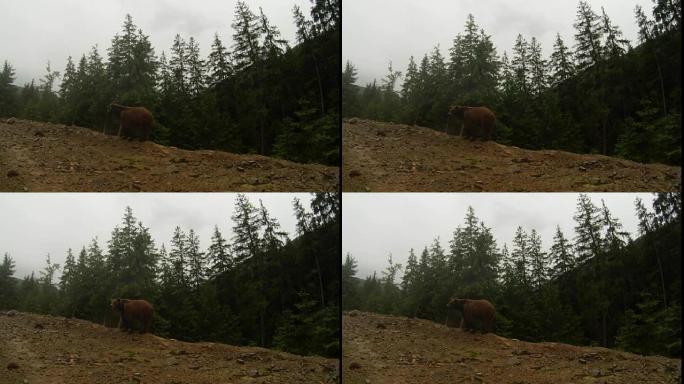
(388, 349)
(46, 157)
(46, 350)
(387, 157)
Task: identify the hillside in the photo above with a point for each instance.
(45, 349)
(389, 349)
(387, 157)
(38, 156)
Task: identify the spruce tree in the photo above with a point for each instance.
(8, 286)
(561, 62)
(219, 64)
(219, 254)
(7, 90)
(561, 255)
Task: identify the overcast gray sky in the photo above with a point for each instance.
(36, 224)
(35, 31)
(377, 224)
(378, 31)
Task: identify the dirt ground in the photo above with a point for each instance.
(46, 157)
(381, 349)
(387, 157)
(46, 350)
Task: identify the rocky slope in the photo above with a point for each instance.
(38, 156)
(387, 157)
(389, 349)
(46, 349)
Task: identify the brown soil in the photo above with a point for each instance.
(50, 157)
(387, 157)
(46, 349)
(387, 349)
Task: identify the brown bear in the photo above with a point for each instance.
(134, 122)
(477, 314)
(478, 122)
(133, 311)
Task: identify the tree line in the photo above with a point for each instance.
(262, 96)
(599, 286)
(599, 96)
(260, 287)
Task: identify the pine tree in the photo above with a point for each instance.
(66, 90)
(520, 257)
(391, 100)
(273, 45)
(520, 64)
(178, 66)
(132, 66)
(538, 261)
(668, 15)
(588, 237)
(462, 65)
(8, 298)
(507, 267)
(132, 258)
(615, 45)
(668, 208)
(178, 258)
(645, 217)
(538, 75)
(7, 90)
(68, 281)
(561, 62)
(561, 255)
(219, 63)
(246, 240)
(614, 237)
(588, 50)
(273, 237)
(196, 78)
(48, 273)
(349, 288)
(196, 261)
(349, 91)
(247, 34)
(219, 254)
(646, 32)
(390, 292)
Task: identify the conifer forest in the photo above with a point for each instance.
(261, 287)
(595, 286)
(262, 94)
(599, 93)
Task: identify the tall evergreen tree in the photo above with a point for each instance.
(219, 254)
(7, 90)
(561, 255)
(8, 285)
(561, 62)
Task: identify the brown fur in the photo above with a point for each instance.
(133, 311)
(478, 122)
(134, 122)
(476, 314)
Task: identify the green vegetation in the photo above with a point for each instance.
(600, 96)
(259, 288)
(600, 287)
(263, 96)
